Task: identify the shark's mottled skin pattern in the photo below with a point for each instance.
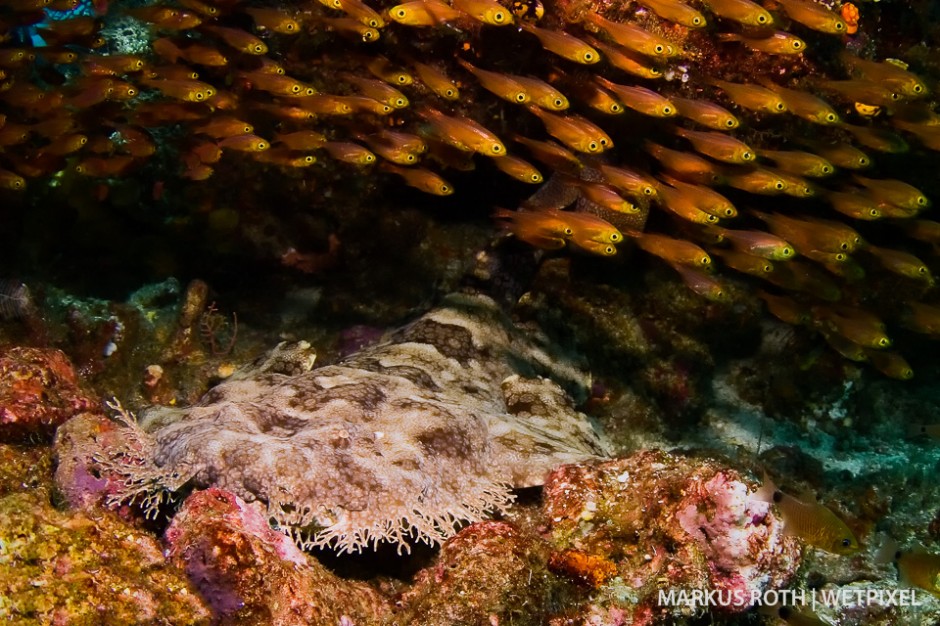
(400, 441)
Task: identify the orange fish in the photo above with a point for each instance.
(564, 45)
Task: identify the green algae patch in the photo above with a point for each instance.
(86, 568)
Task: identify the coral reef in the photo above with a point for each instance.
(488, 573)
(250, 574)
(657, 523)
(401, 441)
(86, 568)
(38, 391)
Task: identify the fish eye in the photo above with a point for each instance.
(290, 26)
(696, 21)
(875, 213)
(659, 49)
(610, 250)
(445, 189)
(921, 270)
(536, 178)
(400, 13)
(400, 102)
(831, 118)
(921, 201)
(310, 159)
(616, 108)
(787, 251)
(258, 48)
(449, 93)
(262, 145)
(779, 185)
(705, 260)
(603, 141)
(730, 123)
(840, 25)
(729, 212)
(499, 17)
(655, 71)
(747, 156)
(780, 106)
(711, 219)
(918, 88)
(648, 191)
(496, 148)
(311, 91)
(826, 169)
(199, 95)
(768, 268)
(762, 19)
(295, 88)
(83, 141)
(846, 542)
(131, 92)
(884, 342)
(368, 36)
(17, 184)
(568, 231)
(521, 97)
(369, 158)
(374, 23)
(593, 147)
(839, 257)
(864, 162)
(588, 56)
(411, 158)
(558, 103)
(667, 110)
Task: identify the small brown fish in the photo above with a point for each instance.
(843, 155)
(902, 263)
(891, 364)
(758, 180)
(814, 15)
(893, 76)
(896, 192)
(705, 198)
(422, 179)
(861, 206)
(856, 325)
(634, 183)
(624, 60)
(803, 104)
(633, 37)
(301, 140)
(424, 13)
(273, 20)
(378, 90)
(676, 11)
(785, 309)
(812, 522)
(800, 163)
(741, 11)
(759, 243)
(486, 11)
(362, 12)
(684, 205)
(499, 84)
(706, 113)
(519, 169)
(244, 143)
(224, 126)
(437, 81)
(238, 39)
(564, 45)
(684, 164)
(551, 154)
(779, 42)
(674, 251)
(919, 568)
(744, 262)
(576, 133)
(718, 145)
(463, 133)
(640, 99)
(752, 97)
(349, 152)
(703, 284)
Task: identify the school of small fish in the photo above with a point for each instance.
(705, 132)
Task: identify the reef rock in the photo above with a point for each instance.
(401, 441)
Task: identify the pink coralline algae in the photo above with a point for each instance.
(38, 391)
(672, 526)
(251, 574)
